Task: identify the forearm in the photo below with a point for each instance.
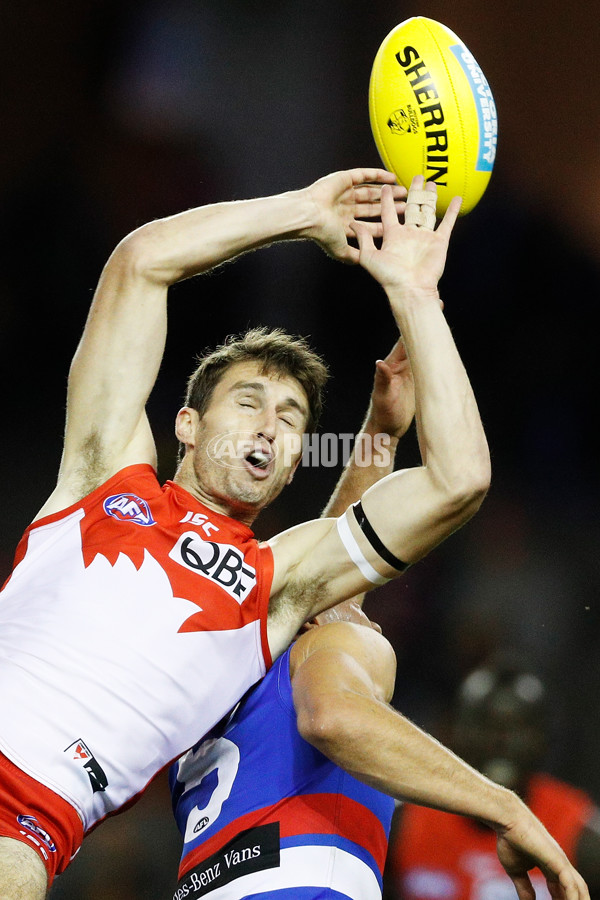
(197, 240)
(384, 749)
(389, 416)
(455, 456)
(451, 435)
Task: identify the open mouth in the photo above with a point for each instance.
(259, 461)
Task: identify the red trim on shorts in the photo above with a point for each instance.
(33, 814)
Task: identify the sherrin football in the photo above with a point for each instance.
(432, 112)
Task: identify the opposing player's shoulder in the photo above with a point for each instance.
(349, 646)
(350, 636)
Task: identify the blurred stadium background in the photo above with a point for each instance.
(113, 113)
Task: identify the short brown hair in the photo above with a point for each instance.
(276, 351)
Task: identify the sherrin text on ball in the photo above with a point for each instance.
(432, 111)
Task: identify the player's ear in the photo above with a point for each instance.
(186, 423)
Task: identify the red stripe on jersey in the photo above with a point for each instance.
(330, 814)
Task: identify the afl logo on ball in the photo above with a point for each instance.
(403, 121)
(129, 508)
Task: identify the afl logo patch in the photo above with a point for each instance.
(31, 823)
(129, 508)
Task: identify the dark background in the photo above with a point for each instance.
(116, 113)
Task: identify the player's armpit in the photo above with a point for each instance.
(85, 468)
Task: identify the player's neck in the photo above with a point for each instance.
(223, 505)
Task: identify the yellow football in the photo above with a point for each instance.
(432, 111)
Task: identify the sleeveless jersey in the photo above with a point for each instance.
(263, 814)
(439, 856)
(132, 622)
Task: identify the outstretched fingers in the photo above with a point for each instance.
(368, 201)
(389, 213)
(371, 193)
(448, 222)
(568, 886)
(523, 886)
(379, 176)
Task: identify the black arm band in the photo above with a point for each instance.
(380, 548)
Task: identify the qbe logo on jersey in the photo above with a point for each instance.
(221, 563)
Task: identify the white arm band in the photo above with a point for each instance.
(356, 554)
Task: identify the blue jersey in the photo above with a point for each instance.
(263, 814)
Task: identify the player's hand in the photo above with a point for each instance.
(412, 256)
(522, 848)
(392, 406)
(344, 197)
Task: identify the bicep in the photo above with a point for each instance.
(325, 561)
(406, 515)
(115, 366)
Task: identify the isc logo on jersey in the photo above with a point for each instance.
(129, 508)
(221, 563)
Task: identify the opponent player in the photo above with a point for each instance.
(266, 809)
(137, 616)
(500, 726)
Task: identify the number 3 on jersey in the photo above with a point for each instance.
(216, 755)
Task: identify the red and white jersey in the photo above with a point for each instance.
(132, 622)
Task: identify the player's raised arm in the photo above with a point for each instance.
(405, 515)
(445, 491)
(117, 361)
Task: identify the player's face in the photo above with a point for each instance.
(249, 441)
(500, 735)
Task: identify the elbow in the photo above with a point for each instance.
(322, 724)
(469, 486)
(461, 484)
(139, 255)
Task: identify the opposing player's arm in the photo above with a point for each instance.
(342, 678)
(117, 360)
(389, 416)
